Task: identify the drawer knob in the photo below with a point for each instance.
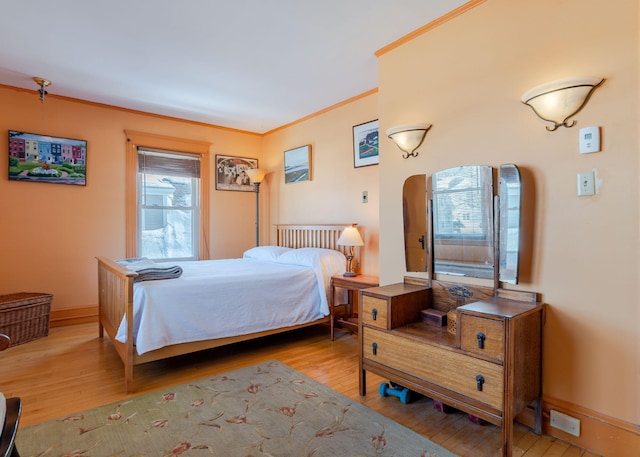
(479, 382)
(374, 314)
(481, 337)
(374, 348)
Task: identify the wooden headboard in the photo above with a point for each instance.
(317, 236)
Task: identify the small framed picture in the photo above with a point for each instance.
(365, 144)
(45, 158)
(297, 164)
(231, 175)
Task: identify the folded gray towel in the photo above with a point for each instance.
(148, 270)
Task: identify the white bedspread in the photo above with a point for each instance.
(220, 298)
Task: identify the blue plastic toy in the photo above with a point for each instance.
(405, 395)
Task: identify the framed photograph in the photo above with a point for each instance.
(297, 164)
(44, 158)
(365, 144)
(231, 175)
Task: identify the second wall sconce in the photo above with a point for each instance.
(557, 101)
(408, 137)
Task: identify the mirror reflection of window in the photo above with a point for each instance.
(458, 202)
(463, 221)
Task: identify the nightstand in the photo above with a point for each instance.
(352, 284)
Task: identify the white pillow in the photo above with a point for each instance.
(269, 253)
(313, 257)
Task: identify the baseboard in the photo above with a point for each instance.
(600, 434)
(71, 316)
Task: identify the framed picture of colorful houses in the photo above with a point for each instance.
(44, 158)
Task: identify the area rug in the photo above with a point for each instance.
(267, 409)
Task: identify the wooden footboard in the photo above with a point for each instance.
(115, 300)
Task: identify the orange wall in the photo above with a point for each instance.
(51, 233)
(334, 193)
(466, 77)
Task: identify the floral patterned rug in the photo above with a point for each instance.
(267, 409)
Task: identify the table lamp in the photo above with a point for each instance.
(350, 236)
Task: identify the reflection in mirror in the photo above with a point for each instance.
(463, 221)
(414, 204)
(510, 202)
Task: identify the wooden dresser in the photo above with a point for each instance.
(490, 368)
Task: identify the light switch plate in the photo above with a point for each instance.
(586, 184)
(589, 140)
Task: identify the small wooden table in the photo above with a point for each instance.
(351, 284)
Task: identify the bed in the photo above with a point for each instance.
(121, 308)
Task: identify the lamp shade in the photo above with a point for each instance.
(408, 137)
(350, 236)
(557, 101)
(256, 175)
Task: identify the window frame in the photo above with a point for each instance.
(144, 140)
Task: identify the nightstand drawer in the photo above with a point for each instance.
(482, 336)
(475, 378)
(374, 311)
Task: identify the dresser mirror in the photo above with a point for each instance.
(463, 222)
(510, 208)
(414, 207)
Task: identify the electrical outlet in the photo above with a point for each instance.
(567, 424)
(365, 196)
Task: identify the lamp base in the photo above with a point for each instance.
(349, 274)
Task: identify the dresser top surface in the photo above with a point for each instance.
(393, 290)
(502, 307)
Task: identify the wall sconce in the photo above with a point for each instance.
(557, 101)
(42, 83)
(408, 137)
(350, 236)
(256, 175)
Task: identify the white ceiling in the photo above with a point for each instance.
(253, 65)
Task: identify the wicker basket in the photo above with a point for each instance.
(25, 316)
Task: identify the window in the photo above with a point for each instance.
(167, 195)
(168, 205)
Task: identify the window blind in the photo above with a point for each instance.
(168, 164)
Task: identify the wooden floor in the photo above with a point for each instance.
(72, 370)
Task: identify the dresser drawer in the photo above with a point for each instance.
(482, 336)
(374, 311)
(435, 364)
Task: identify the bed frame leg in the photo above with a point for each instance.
(128, 379)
